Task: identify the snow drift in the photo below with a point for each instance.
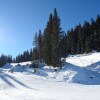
(48, 84)
(83, 69)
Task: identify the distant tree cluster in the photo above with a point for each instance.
(25, 56)
(5, 59)
(84, 39)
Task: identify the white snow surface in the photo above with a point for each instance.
(79, 79)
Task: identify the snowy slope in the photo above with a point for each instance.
(78, 80)
(84, 60)
(83, 69)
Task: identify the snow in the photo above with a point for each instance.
(7, 66)
(23, 63)
(83, 60)
(79, 79)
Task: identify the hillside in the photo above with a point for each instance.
(78, 79)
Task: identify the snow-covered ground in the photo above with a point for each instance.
(79, 79)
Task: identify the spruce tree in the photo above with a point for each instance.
(35, 48)
(40, 46)
(47, 41)
(97, 34)
(56, 38)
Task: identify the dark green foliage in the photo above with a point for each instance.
(35, 49)
(25, 56)
(63, 45)
(40, 46)
(47, 41)
(52, 38)
(55, 39)
(5, 59)
(84, 38)
(54, 43)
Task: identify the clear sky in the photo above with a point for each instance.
(20, 19)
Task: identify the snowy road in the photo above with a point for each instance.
(20, 86)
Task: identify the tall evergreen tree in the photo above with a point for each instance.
(87, 34)
(47, 41)
(40, 46)
(97, 34)
(79, 39)
(35, 48)
(63, 45)
(31, 54)
(56, 38)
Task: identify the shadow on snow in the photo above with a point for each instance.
(5, 77)
(84, 75)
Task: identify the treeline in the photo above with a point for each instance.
(25, 56)
(5, 59)
(53, 43)
(84, 39)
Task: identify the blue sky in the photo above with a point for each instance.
(20, 19)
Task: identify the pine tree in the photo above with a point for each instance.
(47, 41)
(40, 46)
(35, 48)
(79, 39)
(31, 54)
(56, 38)
(63, 45)
(52, 41)
(97, 34)
(87, 34)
